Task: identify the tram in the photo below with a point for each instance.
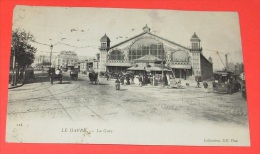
(225, 82)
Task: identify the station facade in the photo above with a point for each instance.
(182, 61)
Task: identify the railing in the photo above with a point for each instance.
(116, 61)
(181, 62)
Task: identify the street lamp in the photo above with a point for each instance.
(51, 54)
(162, 66)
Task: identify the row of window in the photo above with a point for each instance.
(118, 55)
(195, 45)
(135, 54)
(147, 46)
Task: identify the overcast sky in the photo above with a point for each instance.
(80, 29)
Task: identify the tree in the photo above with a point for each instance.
(24, 52)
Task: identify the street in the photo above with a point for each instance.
(80, 100)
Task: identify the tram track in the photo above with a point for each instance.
(60, 104)
(53, 96)
(44, 97)
(86, 106)
(21, 91)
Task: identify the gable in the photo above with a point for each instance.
(126, 45)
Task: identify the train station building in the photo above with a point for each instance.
(152, 53)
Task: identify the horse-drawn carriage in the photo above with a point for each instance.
(93, 78)
(55, 74)
(74, 74)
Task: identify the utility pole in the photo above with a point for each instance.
(162, 66)
(51, 54)
(227, 68)
(13, 67)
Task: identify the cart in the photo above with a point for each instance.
(74, 74)
(55, 75)
(93, 78)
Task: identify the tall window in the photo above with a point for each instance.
(116, 55)
(103, 45)
(180, 56)
(146, 46)
(195, 45)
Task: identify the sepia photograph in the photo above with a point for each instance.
(86, 75)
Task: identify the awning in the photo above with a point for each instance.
(180, 66)
(119, 64)
(136, 69)
(154, 68)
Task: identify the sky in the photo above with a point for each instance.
(79, 29)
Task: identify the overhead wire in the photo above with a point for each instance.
(217, 52)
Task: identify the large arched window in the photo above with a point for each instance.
(180, 56)
(116, 55)
(146, 46)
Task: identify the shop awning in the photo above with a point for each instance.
(180, 66)
(154, 68)
(119, 64)
(136, 69)
(148, 69)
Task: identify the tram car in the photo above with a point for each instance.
(225, 82)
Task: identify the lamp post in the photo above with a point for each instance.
(162, 66)
(51, 54)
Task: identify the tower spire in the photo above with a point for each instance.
(146, 29)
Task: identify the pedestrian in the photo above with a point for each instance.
(198, 83)
(140, 80)
(107, 76)
(122, 79)
(117, 83)
(132, 78)
(127, 80)
(151, 80)
(168, 79)
(165, 80)
(205, 85)
(136, 80)
(96, 78)
(230, 86)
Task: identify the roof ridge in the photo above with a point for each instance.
(150, 34)
(127, 40)
(169, 41)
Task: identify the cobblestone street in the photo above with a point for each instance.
(79, 100)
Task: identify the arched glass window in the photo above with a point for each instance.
(180, 56)
(116, 55)
(146, 46)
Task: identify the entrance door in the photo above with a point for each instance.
(177, 73)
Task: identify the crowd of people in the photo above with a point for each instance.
(129, 78)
